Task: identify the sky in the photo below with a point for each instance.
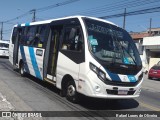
(97, 8)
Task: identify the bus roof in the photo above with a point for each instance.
(63, 18)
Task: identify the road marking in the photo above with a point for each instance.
(149, 106)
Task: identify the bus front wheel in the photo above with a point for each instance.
(71, 93)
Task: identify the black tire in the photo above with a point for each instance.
(22, 70)
(71, 92)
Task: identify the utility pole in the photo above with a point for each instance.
(124, 19)
(34, 15)
(150, 26)
(1, 31)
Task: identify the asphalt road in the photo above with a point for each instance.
(31, 94)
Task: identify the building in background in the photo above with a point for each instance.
(148, 44)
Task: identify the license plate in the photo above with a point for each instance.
(122, 92)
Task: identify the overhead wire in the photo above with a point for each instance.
(113, 6)
(41, 10)
(118, 6)
(37, 10)
(144, 11)
(55, 5)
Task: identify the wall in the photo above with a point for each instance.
(151, 51)
(154, 40)
(153, 61)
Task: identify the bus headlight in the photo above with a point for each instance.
(93, 68)
(101, 75)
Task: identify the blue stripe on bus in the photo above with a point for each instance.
(131, 78)
(24, 59)
(113, 76)
(34, 63)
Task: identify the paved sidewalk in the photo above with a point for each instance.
(5, 106)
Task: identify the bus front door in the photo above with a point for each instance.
(51, 55)
(16, 49)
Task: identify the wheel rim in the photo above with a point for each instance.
(71, 90)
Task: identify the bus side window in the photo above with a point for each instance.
(21, 33)
(37, 36)
(17, 32)
(24, 36)
(42, 35)
(72, 39)
(32, 36)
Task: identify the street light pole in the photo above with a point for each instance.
(1, 31)
(34, 15)
(124, 19)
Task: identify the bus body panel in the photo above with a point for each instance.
(100, 89)
(64, 65)
(90, 84)
(87, 82)
(33, 61)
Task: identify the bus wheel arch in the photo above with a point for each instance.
(69, 89)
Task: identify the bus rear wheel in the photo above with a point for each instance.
(22, 70)
(71, 93)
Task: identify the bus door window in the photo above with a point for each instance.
(54, 43)
(16, 46)
(54, 46)
(14, 35)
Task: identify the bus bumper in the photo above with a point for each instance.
(94, 87)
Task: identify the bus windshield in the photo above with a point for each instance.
(111, 44)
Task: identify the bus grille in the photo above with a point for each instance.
(125, 84)
(115, 92)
